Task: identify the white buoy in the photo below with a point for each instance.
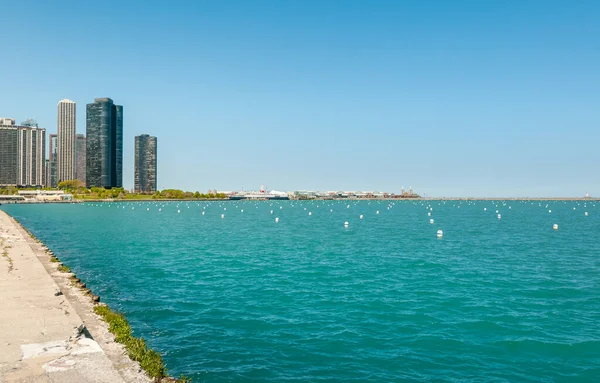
(496, 211)
(574, 208)
(485, 209)
(202, 213)
(159, 209)
(242, 210)
(377, 212)
(276, 219)
(361, 216)
(555, 226)
(147, 209)
(429, 214)
(586, 213)
(346, 224)
(222, 215)
(178, 211)
(431, 221)
(310, 213)
(499, 216)
(440, 233)
(549, 211)
(272, 211)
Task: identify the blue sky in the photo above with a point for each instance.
(454, 98)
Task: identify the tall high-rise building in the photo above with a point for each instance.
(53, 158)
(104, 144)
(66, 140)
(145, 164)
(22, 153)
(80, 158)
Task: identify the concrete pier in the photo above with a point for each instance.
(48, 332)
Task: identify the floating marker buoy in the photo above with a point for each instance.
(276, 219)
(222, 215)
(346, 224)
(573, 208)
(499, 216)
(377, 212)
(272, 211)
(555, 226)
(178, 211)
(159, 209)
(431, 221)
(586, 213)
(485, 209)
(242, 210)
(361, 216)
(496, 211)
(549, 211)
(309, 213)
(202, 213)
(429, 214)
(440, 234)
(331, 210)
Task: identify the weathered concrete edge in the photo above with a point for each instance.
(83, 305)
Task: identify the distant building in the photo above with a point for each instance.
(104, 144)
(66, 140)
(80, 158)
(53, 158)
(22, 153)
(145, 164)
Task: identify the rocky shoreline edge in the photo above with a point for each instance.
(131, 357)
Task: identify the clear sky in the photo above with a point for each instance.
(453, 98)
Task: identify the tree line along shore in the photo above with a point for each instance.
(81, 192)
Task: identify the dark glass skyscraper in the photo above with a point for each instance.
(104, 144)
(145, 164)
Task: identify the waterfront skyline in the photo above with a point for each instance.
(460, 99)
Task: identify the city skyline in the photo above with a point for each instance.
(461, 99)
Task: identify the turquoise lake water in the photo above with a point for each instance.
(244, 298)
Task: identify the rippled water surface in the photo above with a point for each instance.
(243, 298)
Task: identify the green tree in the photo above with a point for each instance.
(69, 184)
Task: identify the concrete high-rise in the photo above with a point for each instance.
(104, 144)
(66, 141)
(53, 158)
(145, 164)
(22, 153)
(80, 158)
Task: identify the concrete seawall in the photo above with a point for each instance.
(48, 331)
